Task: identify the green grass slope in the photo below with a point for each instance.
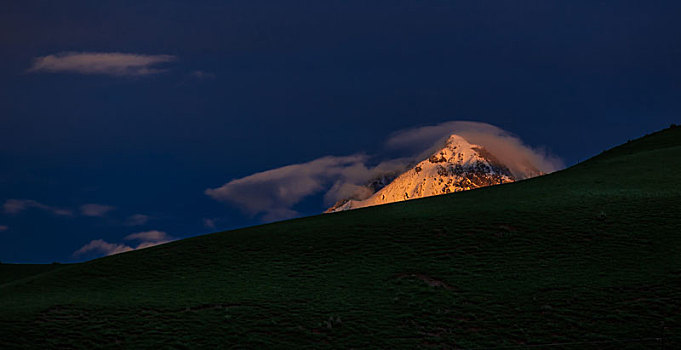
(588, 257)
(13, 272)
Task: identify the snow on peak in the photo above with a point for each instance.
(455, 140)
(458, 166)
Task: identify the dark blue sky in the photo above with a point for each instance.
(256, 85)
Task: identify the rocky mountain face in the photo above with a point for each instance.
(458, 166)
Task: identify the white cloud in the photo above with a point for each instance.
(137, 220)
(153, 236)
(102, 247)
(4, 228)
(273, 193)
(105, 63)
(146, 239)
(98, 210)
(522, 160)
(16, 206)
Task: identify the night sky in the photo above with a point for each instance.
(117, 116)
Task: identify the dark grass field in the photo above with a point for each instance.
(589, 257)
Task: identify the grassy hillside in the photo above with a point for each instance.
(589, 257)
(12, 272)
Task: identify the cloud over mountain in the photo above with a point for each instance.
(273, 193)
(518, 157)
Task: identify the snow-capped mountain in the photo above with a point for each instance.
(459, 166)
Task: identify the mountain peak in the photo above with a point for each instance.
(455, 140)
(458, 166)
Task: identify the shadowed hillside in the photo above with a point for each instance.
(585, 257)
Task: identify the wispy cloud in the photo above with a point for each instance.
(97, 210)
(4, 228)
(209, 223)
(274, 193)
(104, 63)
(16, 206)
(199, 74)
(521, 159)
(146, 239)
(152, 236)
(102, 247)
(137, 220)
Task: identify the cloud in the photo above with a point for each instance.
(209, 223)
(199, 74)
(153, 236)
(102, 247)
(146, 239)
(522, 160)
(3, 228)
(273, 193)
(103, 63)
(16, 206)
(137, 220)
(98, 210)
